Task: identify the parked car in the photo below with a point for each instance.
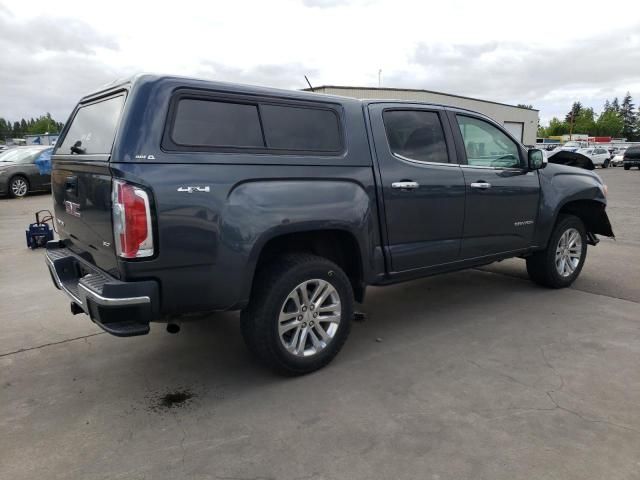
(618, 156)
(286, 205)
(598, 155)
(631, 157)
(19, 173)
(574, 146)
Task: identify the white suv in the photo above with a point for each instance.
(600, 156)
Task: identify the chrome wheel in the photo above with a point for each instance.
(19, 187)
(568, 252)
(309, 318)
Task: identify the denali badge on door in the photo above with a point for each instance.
(72, 208)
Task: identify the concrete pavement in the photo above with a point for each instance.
(478, 375)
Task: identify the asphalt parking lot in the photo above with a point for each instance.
(473, 375)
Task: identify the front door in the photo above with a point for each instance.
(502, 193)
(422, 186)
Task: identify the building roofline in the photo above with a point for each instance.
(393, 89)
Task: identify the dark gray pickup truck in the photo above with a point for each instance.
(174, 196)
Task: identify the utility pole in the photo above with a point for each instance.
(571, 127)
(379, 78)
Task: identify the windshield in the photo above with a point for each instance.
(93, 128)
(20, 155)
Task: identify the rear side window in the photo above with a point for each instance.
(217, 124)
(93, 128)
(203, 123)
(297, 128)
(416, 134)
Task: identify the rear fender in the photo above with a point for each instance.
(272, 208)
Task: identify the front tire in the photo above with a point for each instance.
(299, 314)
(627, 167)
(605, 164)
(18, 186)
(561, 262)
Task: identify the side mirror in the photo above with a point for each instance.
(536, 159)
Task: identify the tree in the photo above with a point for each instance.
(557, 127)
(34, 126)
(609, 124)
(615, 106)
(584, 122)
(576, 108)
(629, 118)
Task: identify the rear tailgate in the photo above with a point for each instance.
(81, 181)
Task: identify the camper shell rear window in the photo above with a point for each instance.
(93, 128)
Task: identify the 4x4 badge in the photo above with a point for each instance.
(191, 189)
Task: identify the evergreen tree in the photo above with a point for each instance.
(629, 118)
(615, 106)
(576, 108)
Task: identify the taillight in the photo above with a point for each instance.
(131, 221)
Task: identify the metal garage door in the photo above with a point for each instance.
(515, 128)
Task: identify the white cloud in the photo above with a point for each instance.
(511, 52)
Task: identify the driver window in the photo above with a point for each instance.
(486, 145)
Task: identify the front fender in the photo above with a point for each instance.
(573, 189)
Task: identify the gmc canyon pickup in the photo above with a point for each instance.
(174, 195)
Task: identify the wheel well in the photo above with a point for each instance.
(592, 213)
(16, 175)
(338, 246)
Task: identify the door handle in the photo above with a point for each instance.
(481, 185)
(405, 185)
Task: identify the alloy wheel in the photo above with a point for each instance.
(309, 318)
(19, 187)
(568, 252)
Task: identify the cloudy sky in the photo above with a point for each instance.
(546, 53)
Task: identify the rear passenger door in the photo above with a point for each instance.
(502, 193)
(422, 189)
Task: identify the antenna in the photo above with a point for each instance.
(308, 83)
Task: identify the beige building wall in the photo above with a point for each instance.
(507, 115)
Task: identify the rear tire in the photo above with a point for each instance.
(627, 167)
(283, 325)
(561, 262)
(18, 186)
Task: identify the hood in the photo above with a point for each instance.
(572, 159)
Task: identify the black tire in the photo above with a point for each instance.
(541, 266)
(272, 286)
(13, 181)
(605, 164)
(627, 167)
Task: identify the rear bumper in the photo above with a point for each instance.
(123, 309)
(631, 162)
